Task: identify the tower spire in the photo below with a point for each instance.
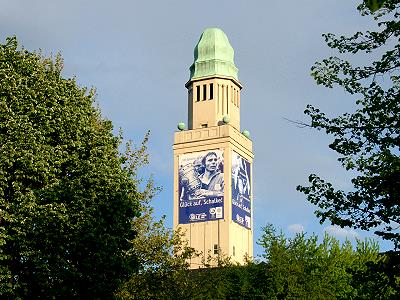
(213, 87)
(212, 159)
(213, 56)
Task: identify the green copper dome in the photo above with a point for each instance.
(213, 56)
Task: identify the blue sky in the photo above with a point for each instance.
(137, 55)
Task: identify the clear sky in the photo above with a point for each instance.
(137, 55)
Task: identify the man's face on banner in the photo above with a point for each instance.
(211, 163)
(197, 166)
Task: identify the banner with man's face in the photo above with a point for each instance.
(201, 186)
(241, 191)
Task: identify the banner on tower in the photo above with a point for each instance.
(201, 186)
(241, 191)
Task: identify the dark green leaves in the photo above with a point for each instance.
(367, 139)
(66, 202)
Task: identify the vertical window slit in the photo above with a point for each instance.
(223, 99)
(197, 93)
(227, 99)
(217, 90)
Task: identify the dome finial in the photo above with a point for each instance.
(213, 56)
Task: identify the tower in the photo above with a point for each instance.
(212, 158)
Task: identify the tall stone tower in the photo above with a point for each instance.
(212, 158)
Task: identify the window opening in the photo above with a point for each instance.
(197, 93)
(204, 91)
(227, 99)
(223, 99)
(211, 91)
(215, 249)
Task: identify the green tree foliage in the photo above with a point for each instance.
(373, 5)
(303, 268)
(299, 268)
(162, 257)
(292, 268)
(67, 195)
(367, 139)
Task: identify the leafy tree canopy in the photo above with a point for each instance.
(301, 267)
(304, 268)
(367, 139)
(67, 195)
(162, 255)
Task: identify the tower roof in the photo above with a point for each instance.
(213, 56)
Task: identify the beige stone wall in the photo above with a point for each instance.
(208, 108)
(225, 233)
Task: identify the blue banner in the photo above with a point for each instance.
(201, 186)
(241, 191)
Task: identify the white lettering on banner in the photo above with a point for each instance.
(212, 201)
(197, 217)
(239, 219)
(200, 202)
(185, 204)
(248, 220)
(241, 206)
(197, 203)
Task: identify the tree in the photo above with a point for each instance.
(302, 268)
(67, 195)
(367, 139)
(292, 268)
(162, 256)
